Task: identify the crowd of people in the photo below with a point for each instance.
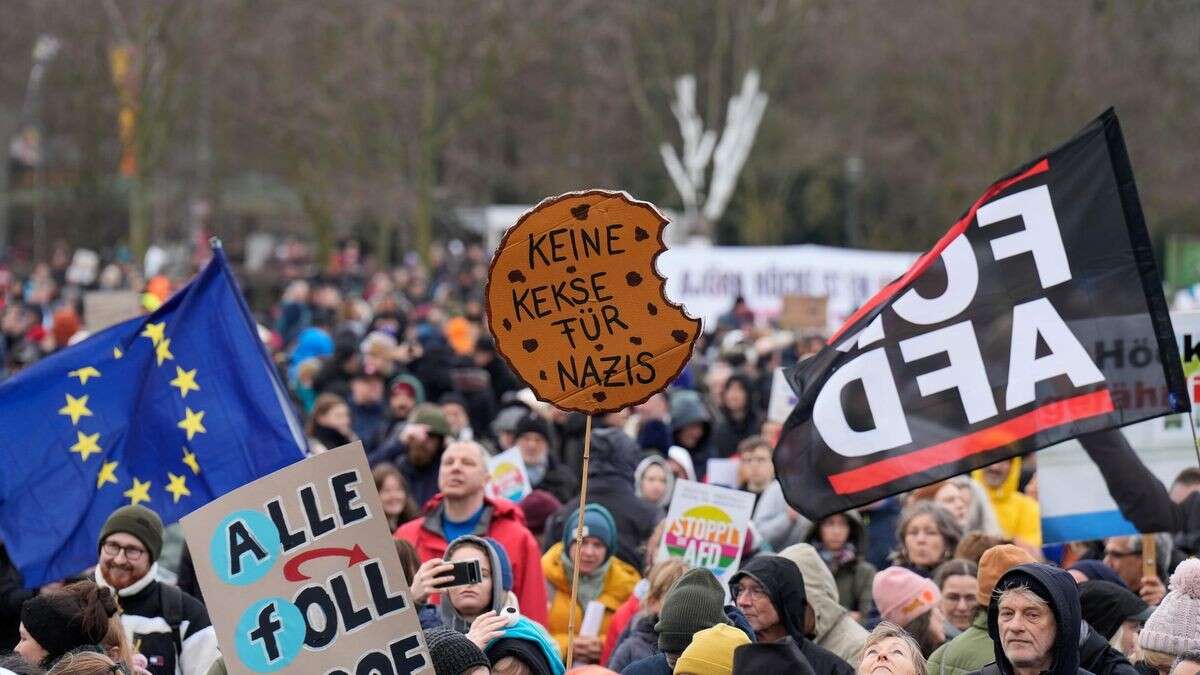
(949, 579)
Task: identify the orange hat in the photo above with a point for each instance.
(160, 287)
(461, 334)
(994, 563)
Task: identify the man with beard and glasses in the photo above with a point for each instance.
(170, 627)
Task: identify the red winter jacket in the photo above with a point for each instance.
(503, 521)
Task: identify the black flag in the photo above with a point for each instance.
(1038, 317)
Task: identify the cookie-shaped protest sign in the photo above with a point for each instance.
(578, 308)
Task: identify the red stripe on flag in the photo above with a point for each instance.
(928, 257)
(1046, 417)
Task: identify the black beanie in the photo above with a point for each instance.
(452, 652)
(525, 651)
(533, 424)
(139, 521)
(63, 620)
(694, 602)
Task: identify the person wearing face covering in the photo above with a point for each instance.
(769, 591)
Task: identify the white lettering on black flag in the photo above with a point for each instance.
(996, 342)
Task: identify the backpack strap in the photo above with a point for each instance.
(171, 600)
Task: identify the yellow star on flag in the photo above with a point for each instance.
(192, 423)
(84, 374)
(108, 474)
(178, 487)
(155, 331)
(87, 445)
(162, 350)
(117, 353)
(189, 458)
(185, 380)
(140, 492)
(75, 408)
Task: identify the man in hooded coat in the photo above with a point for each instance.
(770, 592)
(1035, 635)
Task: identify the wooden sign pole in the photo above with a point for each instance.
(1149, 556)
(587, 451)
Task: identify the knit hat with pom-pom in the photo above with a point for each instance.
(1175, 626)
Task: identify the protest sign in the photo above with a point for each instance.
(307, 576)
(805, 313)
(102, 309)
(707, 526)
(706, 279)
(577, 307)
(1000, 340)
(510, 479)
(1165, 445)
(783, 399)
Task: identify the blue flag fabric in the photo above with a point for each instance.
(169, 411)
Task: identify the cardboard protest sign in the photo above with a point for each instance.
(1165, 445)
(804, 312)
(999, 341)
(510, 479)
(707, 526)
(303, 573)
(102, 309)
(577, 307)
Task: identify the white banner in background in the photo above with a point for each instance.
(706, 279)
(1164, 445)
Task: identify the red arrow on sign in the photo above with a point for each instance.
(291, 571)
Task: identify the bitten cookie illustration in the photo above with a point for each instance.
(577, 307)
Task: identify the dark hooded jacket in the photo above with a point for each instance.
(731, 430)
(1056, 587)
(686, 408)
(784, 585)
(614, 458)
(1099, 657)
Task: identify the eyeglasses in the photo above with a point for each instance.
(132, 553)
(753, 592)
(1120, 554)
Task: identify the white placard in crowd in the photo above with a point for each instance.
(1164, 445)
(706, 279)
(783, 399)
(707, 526)
(722, 471)
(510, 478)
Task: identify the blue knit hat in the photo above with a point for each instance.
(597, 522)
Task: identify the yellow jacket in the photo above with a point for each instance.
(1019, 515)
(618, 585)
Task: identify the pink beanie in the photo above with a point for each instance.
(1174, 627)
(903, 595)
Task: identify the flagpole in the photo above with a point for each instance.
(587, 449)
(1195, 441)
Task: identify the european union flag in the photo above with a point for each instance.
(169, 411)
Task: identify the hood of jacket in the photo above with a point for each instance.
(654, 460)
(781, 579)
(687, 407)
(1008, 488)
(494, 510)
(614, 456)
(858, 532)
(683, 458)
(820, 588)
(1059, 589)
(501, 580)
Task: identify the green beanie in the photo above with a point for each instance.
(139, 521)
(431, 416)
(694, 602)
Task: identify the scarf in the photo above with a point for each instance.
(591, 586)
(835, 559)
